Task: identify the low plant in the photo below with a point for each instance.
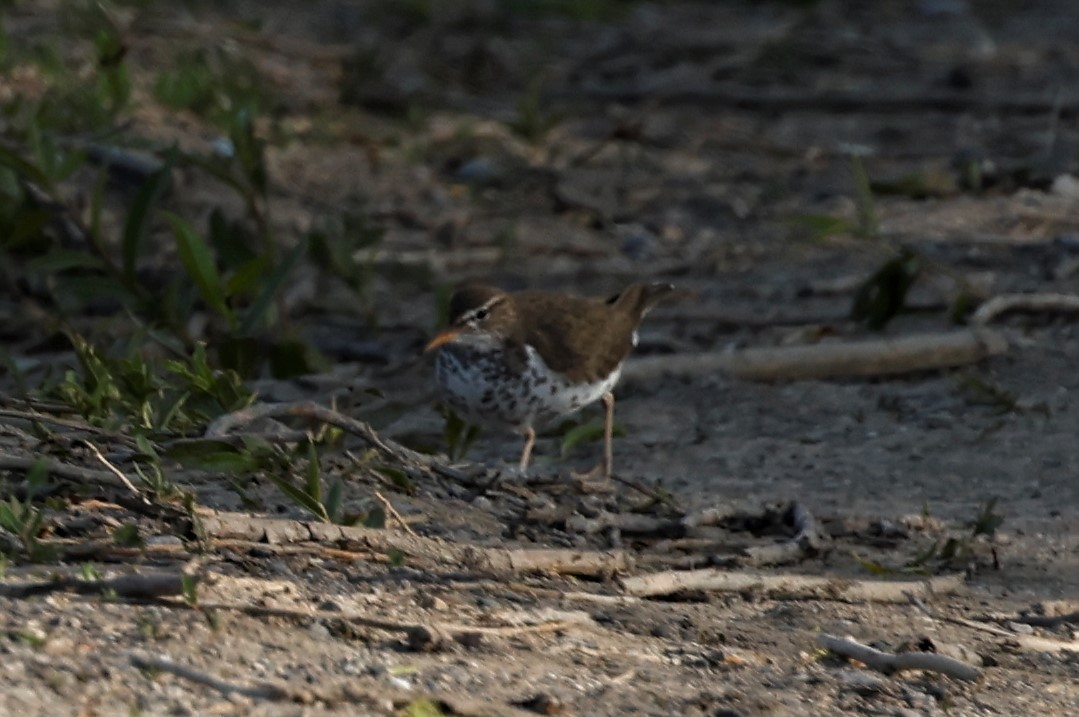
(25, 520)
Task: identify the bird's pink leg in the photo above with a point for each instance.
(526, 454)
(608, 435)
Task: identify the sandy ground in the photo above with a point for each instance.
(689, 143)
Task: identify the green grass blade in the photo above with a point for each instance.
(200, 265)
(138, 219)
(28, 170)
(257, 311)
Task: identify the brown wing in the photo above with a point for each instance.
(580, 337)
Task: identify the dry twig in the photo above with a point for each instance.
(57, 469)
(1042, 303)
(835, 358)
(37, 417)
(263, 691)
(586, 563)
(787, 586)
(424, 636)
(138, 587)
(888, 663)
(115, 471)
(392, 512)
(223, 425)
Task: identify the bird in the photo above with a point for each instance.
(523, 360)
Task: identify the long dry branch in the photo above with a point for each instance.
(878, 357)
(1034, 303)
(788, 586)
(423, 636)
(58, 469)
(587, 563)
(129, 586)
(262, 691)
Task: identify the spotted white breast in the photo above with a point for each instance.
(481, 387)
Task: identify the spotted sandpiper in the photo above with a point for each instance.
(526, 359)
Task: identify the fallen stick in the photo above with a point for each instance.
(878, 357)
(392, 513)
(1050, 621)
(888, 663)
(629, 523)
(56, 469)
(586, 563)
(223, 425)
(37, 417)
(1033, 643)
(115, 471)
(263, 691)
(788, 586)
(422, 636)
(129, 586)
(1042, 303)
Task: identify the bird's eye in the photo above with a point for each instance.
(482, 314)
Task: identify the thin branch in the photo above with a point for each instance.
(116, 471)
(497, 560)
(392, 512)
(138, 587)
(888, 663)
(1040, 303)
(263, 691)
(222, 425)
(61, 470)
(36, 417)
(878, 357)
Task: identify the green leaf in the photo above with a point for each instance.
(988, 519)
(398, 477)
(875, 567)
(212, 455)
(293, 358)
(137, 225)
(868, 228)
(421, 707)
(335, 500)
(96, 289)
(922, 558)
(247, 276)
(199, 263)
(299, 497)
(884, 294)
(257, 311)
(230, 241)
(59, 260)
(376, 518)
(128, 536)
(89, 572)
(26, 228)
(314, 474)
(823, 226)
(190, 587)
(586, 433)
(29, 171)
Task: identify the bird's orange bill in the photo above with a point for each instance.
(443, 337)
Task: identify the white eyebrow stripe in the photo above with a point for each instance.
(470, 316)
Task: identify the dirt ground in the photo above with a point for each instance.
(696, 143)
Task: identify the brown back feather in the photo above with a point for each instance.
(584, 338)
